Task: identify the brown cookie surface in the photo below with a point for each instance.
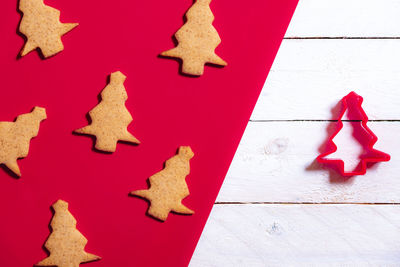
(197, 40)
(168, 187)
(110, 118)
(65, 243)
(15, 137)
(42, 27)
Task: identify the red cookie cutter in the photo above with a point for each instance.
(357, 117)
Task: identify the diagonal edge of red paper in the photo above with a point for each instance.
(208, 113)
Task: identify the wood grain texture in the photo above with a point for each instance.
(261, 219)
(346, 18)
(309, 77)
(300, 235)
(275, 162)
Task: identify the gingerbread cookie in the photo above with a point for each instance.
(110, 118)
(65, 244)
(168, 187)
(42, 27)
(16, 136)
(197, 40)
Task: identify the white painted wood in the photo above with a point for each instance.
(300, 235)
(275, 163)
(309, 77)
(349, 18)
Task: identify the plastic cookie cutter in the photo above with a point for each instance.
(351, 106)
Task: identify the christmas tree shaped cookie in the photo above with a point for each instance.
(110, 118)
(168, 187)
(42, 27)
(358, 153)
(15, 137)
(65, 244)
(197, 40)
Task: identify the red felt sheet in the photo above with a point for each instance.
(209, 113)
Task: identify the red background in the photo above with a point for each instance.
(208, 113)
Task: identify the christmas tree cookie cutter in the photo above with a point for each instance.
(356, 115)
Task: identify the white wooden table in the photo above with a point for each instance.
(277, 207)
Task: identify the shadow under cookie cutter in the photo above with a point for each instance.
(357, 117)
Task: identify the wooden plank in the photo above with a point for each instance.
(300, 235)
(309, 77)
(349, 18)
(275, 163)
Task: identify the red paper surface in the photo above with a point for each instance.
(208, 113)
